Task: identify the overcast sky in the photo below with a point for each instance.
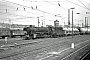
(21, 12)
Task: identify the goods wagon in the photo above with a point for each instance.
(17, 32)
(84, 30)
(68, 31)
(4, 32)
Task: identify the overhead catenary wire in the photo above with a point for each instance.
(17, 9)
(41, 10)
(25, 17)
(35, 13)
(43, 1)
(30, 7)
(55, 4)
(76, 4)
(25, 9)
(63, 7)
(36, 9)
(60, 5)
(62, 1)
(17, 15)
(83, 4)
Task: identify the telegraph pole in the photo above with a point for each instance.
(87, 25)
(38, 22)
(42, 23)
(10, 26)
(9, 23)
(72, 21)
(85, 21)
(68, 17)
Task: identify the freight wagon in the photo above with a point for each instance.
(84, 30)
(12, 32)
(4, 32)
(17, 32)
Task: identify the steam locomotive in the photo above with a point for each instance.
(46, 32)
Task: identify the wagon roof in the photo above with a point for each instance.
(16, 28)
(4, 29)
(70, 29)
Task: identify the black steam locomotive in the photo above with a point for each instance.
(46, 32)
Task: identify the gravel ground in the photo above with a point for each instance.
(38, 50)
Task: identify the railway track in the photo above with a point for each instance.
(33, 52)
(45, 48)
(69, 53)
(86, 56)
